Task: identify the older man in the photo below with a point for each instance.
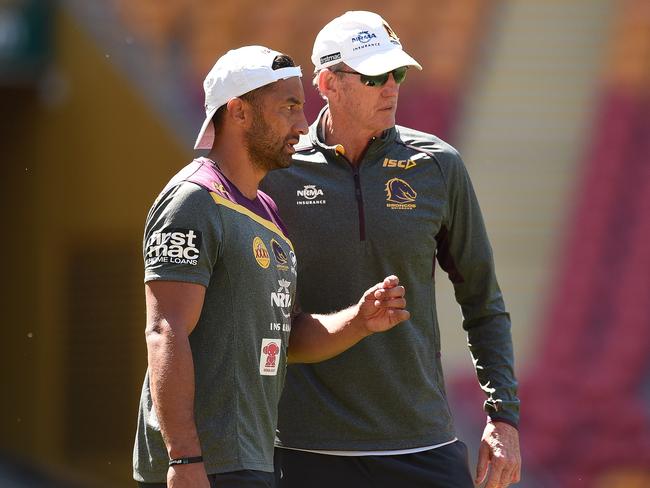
(365, 197)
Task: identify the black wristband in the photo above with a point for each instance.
(187, 460)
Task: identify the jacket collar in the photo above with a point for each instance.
(376, 146)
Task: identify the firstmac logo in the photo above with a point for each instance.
(175, 246)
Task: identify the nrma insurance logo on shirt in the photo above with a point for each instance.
(282, 298)
(175, 246)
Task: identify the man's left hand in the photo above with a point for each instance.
(499, 452)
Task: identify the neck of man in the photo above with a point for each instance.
(338, 128)
(234, 163)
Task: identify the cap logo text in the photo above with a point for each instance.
(330, 57)
(364, 37)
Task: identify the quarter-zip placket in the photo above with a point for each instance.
(359, 197)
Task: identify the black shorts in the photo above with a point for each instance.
(235, 479)
(443, 467)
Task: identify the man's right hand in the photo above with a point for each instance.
(187, 476)
(382, 306)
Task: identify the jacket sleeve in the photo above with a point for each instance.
(464, 252)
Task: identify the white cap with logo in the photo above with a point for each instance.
(362, 40)
(237, 72)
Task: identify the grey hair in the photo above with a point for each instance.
(334, 68)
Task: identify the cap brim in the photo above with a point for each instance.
(206, 134)
(382, 62)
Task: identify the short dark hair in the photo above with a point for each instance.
(252, 97)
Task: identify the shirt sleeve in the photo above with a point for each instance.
(183, 236)
(464, 252)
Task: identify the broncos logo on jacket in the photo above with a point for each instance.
(399, 191)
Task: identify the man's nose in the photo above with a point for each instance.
(391, 87)
(302, 126)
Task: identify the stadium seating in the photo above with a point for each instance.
(205, 29)
(586, 399)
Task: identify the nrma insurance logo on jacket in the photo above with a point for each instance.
(176, 246)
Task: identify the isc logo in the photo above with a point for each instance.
(397, 163)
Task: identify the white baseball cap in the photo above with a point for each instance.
(362, 40)
(237, 72)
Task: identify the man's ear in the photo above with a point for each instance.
(328, 83)
(237, 111)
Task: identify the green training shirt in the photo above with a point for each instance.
(409, 202)
(201, 229)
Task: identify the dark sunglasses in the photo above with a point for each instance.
(399, 74)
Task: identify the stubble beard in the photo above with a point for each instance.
(265, 149)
